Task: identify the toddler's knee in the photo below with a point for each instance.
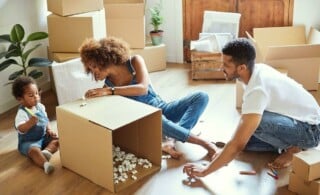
(33, 150)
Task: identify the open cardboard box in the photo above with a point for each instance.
(87, 133)
(289, 48)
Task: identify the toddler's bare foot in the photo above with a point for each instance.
(168, 147)
(284, 160)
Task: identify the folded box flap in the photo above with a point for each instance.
(293, 52)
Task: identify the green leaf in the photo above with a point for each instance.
(26, 54)
(17, 33)
(35, 74)
(37, 36)
(5, 64)
(14, 75)
(13, 51)
(5, 38)
(39, 62)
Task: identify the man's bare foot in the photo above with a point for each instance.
(284, 160)
(168, 147)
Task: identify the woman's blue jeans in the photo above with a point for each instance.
(180, 116)
(277, 132)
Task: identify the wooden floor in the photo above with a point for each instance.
(18, 175)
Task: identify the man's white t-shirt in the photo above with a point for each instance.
(270, 90)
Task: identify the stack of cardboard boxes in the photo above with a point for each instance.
(71, 23)
(305, 176)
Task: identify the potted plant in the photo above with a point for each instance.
(18, 53)
(156, 20)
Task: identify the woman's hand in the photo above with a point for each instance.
(193, 170)
(96, 92)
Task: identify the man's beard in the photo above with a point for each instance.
(231, 77)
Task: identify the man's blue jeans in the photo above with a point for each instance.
(277, 132)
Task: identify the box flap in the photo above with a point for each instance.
(98, 109)
(310, 157)
(278, 36)
(314, 36)
(293, 52)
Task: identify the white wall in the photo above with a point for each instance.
(307, 13)
(32, 15)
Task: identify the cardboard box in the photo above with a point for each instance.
(299, 186)
(125, 19)
(206, 65)
(87, 134)
(155, 57)
(306, 164)
(240, 87)
(287, 48)
(61, 57)
(70, 7)
(66, 34)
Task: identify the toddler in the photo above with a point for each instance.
(35, 138)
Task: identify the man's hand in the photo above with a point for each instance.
(193, 170)
(52, 133)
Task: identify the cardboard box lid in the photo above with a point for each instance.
(293, 52)
(96, 110)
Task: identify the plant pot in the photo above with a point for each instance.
(156, 37)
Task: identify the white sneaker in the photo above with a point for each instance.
(48, 168)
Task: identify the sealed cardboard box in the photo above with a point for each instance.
(71, 7)
(206, 65)
(289, 48)
(299, 186)
(306, 164)
(155, 57)
(66, 34)
(87, 134)
(125, 19)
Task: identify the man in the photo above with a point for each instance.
(278, 114)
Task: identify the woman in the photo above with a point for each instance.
(109, 59)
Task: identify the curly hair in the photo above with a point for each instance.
(19, 85)
(241, 51)
(104, 52)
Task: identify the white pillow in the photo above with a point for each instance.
(71, 81)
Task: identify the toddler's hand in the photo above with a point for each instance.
(33, 120)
